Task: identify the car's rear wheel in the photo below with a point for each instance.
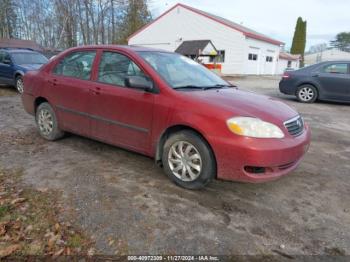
(188, 160)
(19, 84)
(307, 94)
(47, 122)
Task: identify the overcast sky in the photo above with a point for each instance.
(276, 18)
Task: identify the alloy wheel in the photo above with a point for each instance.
(306, 94)
(20, 85)
(45, 122)
(185, 161)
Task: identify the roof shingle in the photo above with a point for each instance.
(192, 47)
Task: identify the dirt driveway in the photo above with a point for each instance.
(128, 205)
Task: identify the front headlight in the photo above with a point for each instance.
(254, 127)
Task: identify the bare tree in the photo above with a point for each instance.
(7, 18)
(67, 23)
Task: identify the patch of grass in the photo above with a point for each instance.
(75, 241)
(30, 225)
(4, 210)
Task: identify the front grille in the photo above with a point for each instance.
(295, 126)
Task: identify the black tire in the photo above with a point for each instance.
(208, 163)
(19, 84)
(54, 133)
(307, 94)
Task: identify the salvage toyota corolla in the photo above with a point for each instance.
(197, 126)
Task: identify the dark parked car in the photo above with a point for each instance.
(324, 81)
(164, 105)
(14, 63)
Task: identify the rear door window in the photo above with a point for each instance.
(336, 69)
(76, 64)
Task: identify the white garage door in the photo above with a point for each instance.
(253, 60)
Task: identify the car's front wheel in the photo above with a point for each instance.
(188, 160)
(307, 94)
(19, 84)
(46, 121)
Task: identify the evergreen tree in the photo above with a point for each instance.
(342, 41)
(299, 39)
(136, 16)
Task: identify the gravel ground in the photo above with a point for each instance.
(128, 205)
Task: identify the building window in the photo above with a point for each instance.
(253, 57)
(269, 58)
(289, 65)
(220, 58)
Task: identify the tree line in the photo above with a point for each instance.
(67, 23)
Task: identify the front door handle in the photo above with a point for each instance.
(96, 91)
(315, 75)
(53, 81)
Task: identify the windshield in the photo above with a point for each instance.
(179, 71)
(28, 58)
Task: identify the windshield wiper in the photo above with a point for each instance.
(217, 86)
(188, 87)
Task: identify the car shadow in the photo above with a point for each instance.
(318, 102)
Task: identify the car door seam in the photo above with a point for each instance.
(95, 117)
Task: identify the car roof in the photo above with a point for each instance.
(333, 61)
(18, 50)
(134, 48)
(311, 68)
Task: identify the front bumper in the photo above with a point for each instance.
(278, 157)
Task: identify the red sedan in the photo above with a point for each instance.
(161, 104)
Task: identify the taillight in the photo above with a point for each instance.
(286, 75)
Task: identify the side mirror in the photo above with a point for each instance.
(139, 82)
(7, 61)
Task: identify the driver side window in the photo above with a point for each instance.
(4, 56)
(114, 68)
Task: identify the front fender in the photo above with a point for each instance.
(200, 123)
(203, 124)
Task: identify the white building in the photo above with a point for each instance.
(287, 61)
(242, 50)
(331, 54)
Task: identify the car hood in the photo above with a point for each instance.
(244, 103)
(30, 67)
